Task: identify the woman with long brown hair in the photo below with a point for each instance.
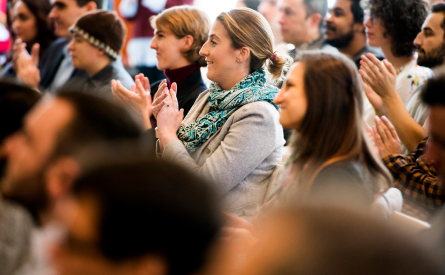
(331, 159)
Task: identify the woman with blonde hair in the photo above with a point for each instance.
(232, 134)
(180, 33)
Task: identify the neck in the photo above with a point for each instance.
(356, 45)
(98, 66)
(182, 62)
(397, 62)
(237, 77)
(311, 35)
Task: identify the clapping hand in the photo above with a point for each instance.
(385, 137)
(138, 97)
(25, 65)
(169, 117)
(380, 76)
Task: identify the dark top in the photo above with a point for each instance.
(188, 91)
(50, 62)
(357, 57)
(100, 83)
(345, 183)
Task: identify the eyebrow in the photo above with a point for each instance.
(213, 36)
(428, 29)
(59, 5)
(336, 9)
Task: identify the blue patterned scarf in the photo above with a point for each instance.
(223, 104)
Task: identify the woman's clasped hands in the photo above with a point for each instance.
(167, 113)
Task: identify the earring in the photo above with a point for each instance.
(237, 60)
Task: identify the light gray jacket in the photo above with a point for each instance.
(239, 158)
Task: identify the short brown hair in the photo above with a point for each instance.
(104, 26)
(182, 21)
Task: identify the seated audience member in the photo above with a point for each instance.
(40, 169)
(381, 91)
(232, 134)
(413, 174)
(15, 223)
(251, 4)
(180, 33)
(395, 38)
(301, 25)
(345, 30)
(55, 69)
(30, 24)
(334, 157)
(321, 240)
(269, 9)
(136, 219)
(435, 98)
(97, 51)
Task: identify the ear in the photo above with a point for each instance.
(315, 20)
(188, 42)
(243, 55)
(60, 177)
(359, 28)
(90, 6)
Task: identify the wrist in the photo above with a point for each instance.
(166, 138)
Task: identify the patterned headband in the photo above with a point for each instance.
(93, 41)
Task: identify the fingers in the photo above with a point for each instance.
(370, 69)
(161, 88)
(382, 130)
(146, 83)
(376, 62)
(174, 87)
(390, 127)
(35, 54)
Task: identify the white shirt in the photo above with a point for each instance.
(409, 78)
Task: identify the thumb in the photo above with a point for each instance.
(35, 54)
(174, 87)
(181, 114)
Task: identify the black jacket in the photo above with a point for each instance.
(188, 92)
(50, 62)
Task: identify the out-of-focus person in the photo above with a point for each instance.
(413, 175)
(137, 217)
(301, 24)
(55, 70)
(395, 38)
(30, 24)
(40, 166)
(345, 30)
(15, 222)
(138, 48)
(251, 4)
(322, 240)
(269, 9)
(98, 52)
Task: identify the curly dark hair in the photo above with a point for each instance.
(402, 20)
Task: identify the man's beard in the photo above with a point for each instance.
(30, 191)
(434, 58)
(342, 41)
